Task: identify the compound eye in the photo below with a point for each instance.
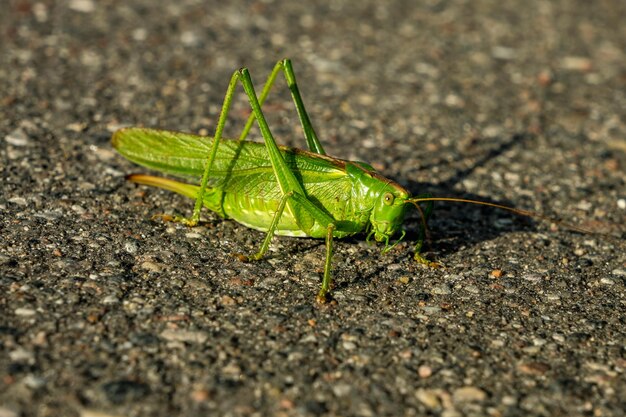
(388, 199)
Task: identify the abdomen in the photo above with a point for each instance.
(258, 214)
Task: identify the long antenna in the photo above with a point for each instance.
(520, 212)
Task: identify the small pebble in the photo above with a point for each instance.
(20, 201)
(424, 371)
(532, 277)
(509, 400)
(498, 343)
(347, 345)
(200, 395)
(17, 138)
(34, 382)
(403, 280)
(310, 338)
(78, 209)
(110, 299)
(22, 355)
(576, 63)
(469, 394)
(503, 52)
(428, 397)
(6, 412)
(533, 368)
(441, 290)
(24, 312)
(152, 266)
(82, 6)
(76, 126)
(40, 339)
(130, 247)
(497, 273)
(431, 309)
(342, 390)
(189, 38)
(172, 335)
(584, 205)
(227, 300)
(553, 297)
(472, 289)
(558, 337)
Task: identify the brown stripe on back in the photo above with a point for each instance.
(339, 163)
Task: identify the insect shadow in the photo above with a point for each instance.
(453, 226)
(468, 224)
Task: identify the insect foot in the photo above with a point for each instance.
(175, 219)
(247, 258)
(325, 297)
(242, 257)
(163, 217)
(420, 259)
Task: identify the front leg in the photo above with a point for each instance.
(423, 232)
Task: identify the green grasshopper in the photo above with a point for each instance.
(277, 189)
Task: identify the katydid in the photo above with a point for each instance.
(277, 189)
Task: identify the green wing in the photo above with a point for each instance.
(239, 167)
(174, 153)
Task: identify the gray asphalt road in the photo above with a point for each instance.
(105, 312)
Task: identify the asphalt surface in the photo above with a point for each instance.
(105, 312)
